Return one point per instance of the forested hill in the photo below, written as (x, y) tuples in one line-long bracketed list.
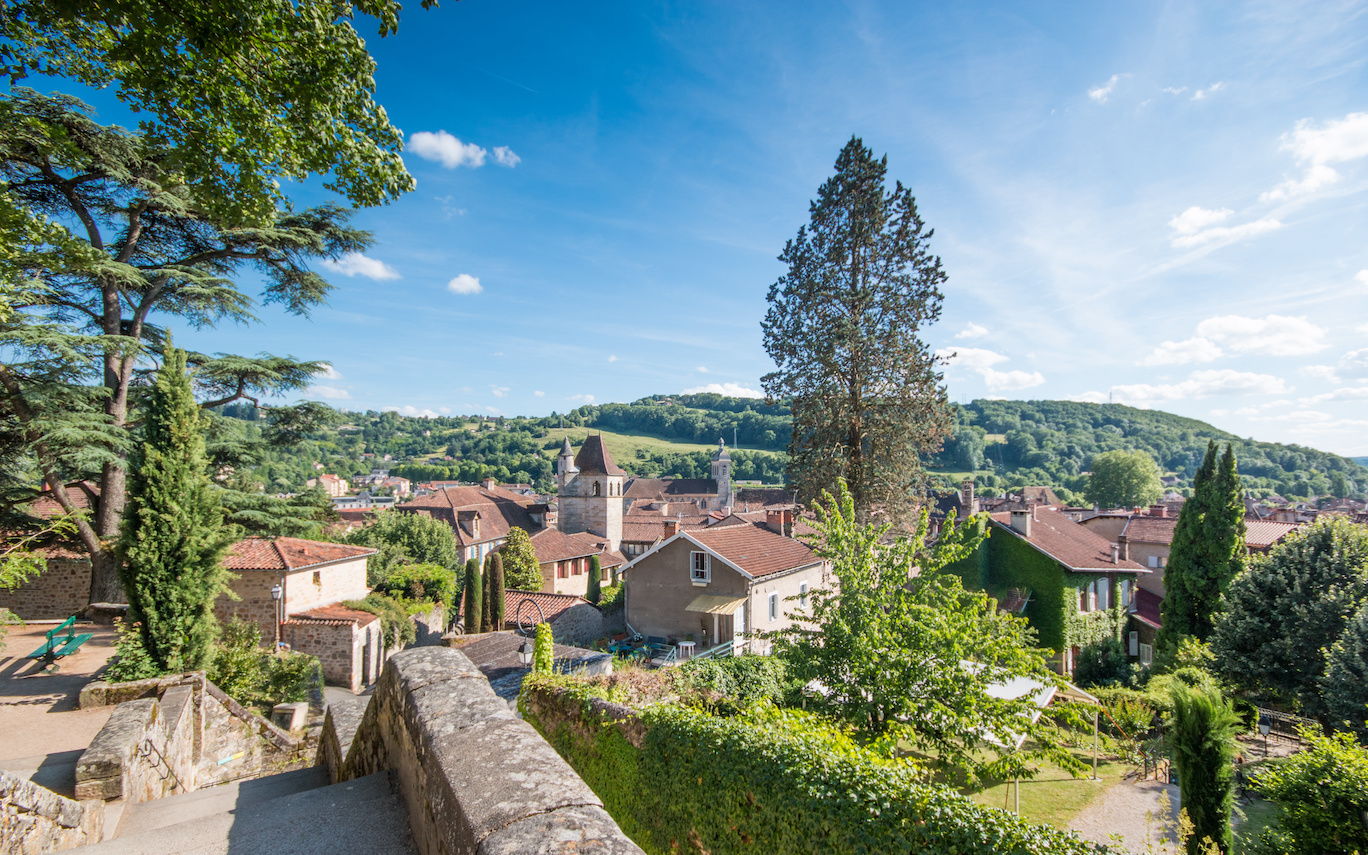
[(1003, 443)]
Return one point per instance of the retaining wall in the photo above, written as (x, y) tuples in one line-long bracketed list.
[(34, 819)]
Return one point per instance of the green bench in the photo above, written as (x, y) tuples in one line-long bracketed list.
[(61, 641)]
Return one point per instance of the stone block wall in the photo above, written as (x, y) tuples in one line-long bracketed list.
[(340, 647), (254, 603), (35, 820), (579, 626), (141, 754), (475, 778), (60, 591), (238, 743)]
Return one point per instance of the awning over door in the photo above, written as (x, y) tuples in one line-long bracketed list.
[(715, 604)]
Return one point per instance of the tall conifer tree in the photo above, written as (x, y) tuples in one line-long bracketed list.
[(174, 538), (1207, 550), (496, 592), (594, 592), (843, 330), (474, 599)]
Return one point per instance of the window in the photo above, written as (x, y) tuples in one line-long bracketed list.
[(318, 578), (1154, 561), (1103, 593), (1146, 654), (1127, 594), (802, 595), (1134, 643), (700, 573), (774, 607), (561, 570), (596, 488)]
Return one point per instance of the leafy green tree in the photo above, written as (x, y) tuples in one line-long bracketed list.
[(174, 538), (494, 590), (474, 598), (221, 81), (910, 657), (1320, 796), (128, 243), (404, 538), (1208, 550), (1202, 738), (594, 592), (843, 328), (521, 570), (1344, 688), (1123, 479), (1283, 615), (543, 650)]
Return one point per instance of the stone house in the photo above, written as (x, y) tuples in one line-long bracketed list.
[(1074, 586), (564, 560), (349, 643), (480, 517), (718, 584)]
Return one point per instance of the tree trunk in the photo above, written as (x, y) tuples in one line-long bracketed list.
[(105, 585)]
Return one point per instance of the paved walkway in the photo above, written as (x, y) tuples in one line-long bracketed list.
[(42, 730), (1122, 811)]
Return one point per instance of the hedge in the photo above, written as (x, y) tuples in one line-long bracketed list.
[(770, 781)]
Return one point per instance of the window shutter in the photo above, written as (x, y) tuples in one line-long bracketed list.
[(1134, 643)]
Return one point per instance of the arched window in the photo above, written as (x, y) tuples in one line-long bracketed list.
[(596, 488)]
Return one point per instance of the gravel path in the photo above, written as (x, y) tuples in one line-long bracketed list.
[(1122, 811)]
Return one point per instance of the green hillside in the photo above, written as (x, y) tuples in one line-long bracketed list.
[(1002, 444)]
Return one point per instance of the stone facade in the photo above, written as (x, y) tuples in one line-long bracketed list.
[(350, 653), (590, 500), (474, 777), (658, 589), (35, 820), (302, 590), (253, 603), (57, 593)]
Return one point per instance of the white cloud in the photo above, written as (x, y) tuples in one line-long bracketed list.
[(494, 411), (1347, 393), (1355, 363), (1089, 397), (539, 393), (1203, 93), (499, 391), (612, 358), (1274, 335), (446, 411), (1101, 93), (410, 410), (1195, 349), (976, 358), (356, 264), (1337, 141), (446, 150), (1172, 90), (584, 399), (329, 372), (972, 331), (1225, 234), (504, 156), (981, 360), (1321, 372), (1196, 218), (731, 390), (702, 369), (1006, 381), (1202, 384), (465, 284), (1362, 277), (332, 393)]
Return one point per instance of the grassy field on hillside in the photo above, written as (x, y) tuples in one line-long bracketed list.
[(623, 446)]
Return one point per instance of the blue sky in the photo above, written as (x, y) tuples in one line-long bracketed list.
[(1164, 203)]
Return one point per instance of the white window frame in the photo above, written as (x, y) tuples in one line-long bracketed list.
[(700, 575), (1146, 654), (803, 595), (1154, 561), (773, 607)]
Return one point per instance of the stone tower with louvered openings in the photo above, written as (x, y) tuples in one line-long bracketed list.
[(591, 487)]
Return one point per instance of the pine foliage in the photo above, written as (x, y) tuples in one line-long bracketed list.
[(174, 538), (843, 328), (497, 602), (595, 591), (486, 601), (474, 598), (1202, 738), (1207, 551)]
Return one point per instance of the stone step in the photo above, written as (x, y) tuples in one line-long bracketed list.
[(173, 810), (359, 817)]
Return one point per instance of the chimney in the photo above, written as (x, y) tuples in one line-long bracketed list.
[(1033, 511), (780, 522), (671, 528), (1116, 554), (1123, 545), (488, 483), (967, 500), (1021, 523), (1160, 511)]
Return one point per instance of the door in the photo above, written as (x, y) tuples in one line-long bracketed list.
[(739, 628)]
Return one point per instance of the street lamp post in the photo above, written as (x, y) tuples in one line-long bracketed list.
[(276, 593), (1265, 725), (525, 653)]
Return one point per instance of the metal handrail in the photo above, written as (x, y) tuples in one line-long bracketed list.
[(723, 649), (151, 750)]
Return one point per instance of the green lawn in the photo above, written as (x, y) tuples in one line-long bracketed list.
[(1054, 797), (1258, 815)]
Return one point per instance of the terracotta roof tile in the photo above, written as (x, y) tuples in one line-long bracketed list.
[(1147, 529), (288, 553), (335, 615), (756, 549), (1067, 542), (552, 605), (553, 545), (1261, 534), (642, 530), (498, 509)]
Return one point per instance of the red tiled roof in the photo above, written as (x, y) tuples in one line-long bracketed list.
[(498, 509), (552, 605), (81, 493), (594, 459), (553, 545), (642, 530), (364, 516), (1261, 534), (334, 615), (1147, 529), (288, 553), (1067, 542), (756, 549)]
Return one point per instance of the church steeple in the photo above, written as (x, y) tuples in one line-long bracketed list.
[(721, 473), (565, 465)]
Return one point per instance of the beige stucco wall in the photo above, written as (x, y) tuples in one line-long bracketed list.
[(658, 589), (1141, 553), (784, 585), (345, 580)]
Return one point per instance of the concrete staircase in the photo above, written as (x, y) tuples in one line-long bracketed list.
[(293, 812)]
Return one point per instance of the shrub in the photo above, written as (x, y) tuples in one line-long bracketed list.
[(1130, 714), (395, 625), (1201, 736), (131, 660), (1103, 663), (741, 679), (1323, 792), (612, 599), (257, 677), (543, 650), (431, 583)]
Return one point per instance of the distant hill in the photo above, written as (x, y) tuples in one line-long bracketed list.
[(1362, 461)]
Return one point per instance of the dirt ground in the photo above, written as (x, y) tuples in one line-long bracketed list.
[(42, 731)]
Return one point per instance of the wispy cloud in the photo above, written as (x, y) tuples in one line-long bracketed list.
[(731, 390), (446, 149), (1336, 141), (973, 330), (330, 373), (702, 369), (1320, 372), (356, 264), (1274, 335), (982, 361), (331, 393), (1174, 90), (1207, 92), (1201, 384), (465, 284), (499, 391), (410, 410), (1196, 226), (1195, 349), (1362, 278), (612, 358), (504, 156), (539, 393), (583, 399), (1101, 93)]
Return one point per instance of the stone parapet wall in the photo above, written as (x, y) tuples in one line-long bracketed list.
[(136, 755), (476, 779), (57, 593), (35, 820)]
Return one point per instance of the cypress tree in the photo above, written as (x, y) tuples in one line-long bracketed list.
[(486, 609), (474, 602), (173, 536), (1202, 734), (594, 594), (1207, 551), (497, 602)]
